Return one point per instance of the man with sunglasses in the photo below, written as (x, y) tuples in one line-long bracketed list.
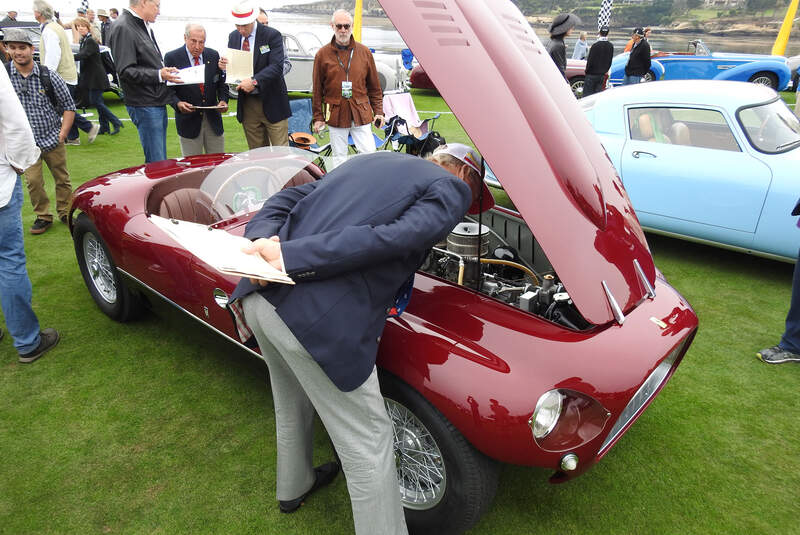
[(346, 80)]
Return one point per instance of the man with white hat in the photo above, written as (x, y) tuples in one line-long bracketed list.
[(263, 106), (350, 246), (105, 24)]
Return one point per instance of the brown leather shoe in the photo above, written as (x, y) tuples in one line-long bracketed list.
[(40, 226), (48, 339)]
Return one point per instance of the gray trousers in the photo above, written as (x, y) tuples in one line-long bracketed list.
[(206, 142), (356, 421)]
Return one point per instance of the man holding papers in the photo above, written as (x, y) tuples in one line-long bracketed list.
[(350, 241), (263, 102), (198, 107)]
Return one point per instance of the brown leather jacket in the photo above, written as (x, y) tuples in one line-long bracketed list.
[(367, 99)]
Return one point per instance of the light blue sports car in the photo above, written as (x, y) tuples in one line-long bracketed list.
[(699, 63), (709, 161)]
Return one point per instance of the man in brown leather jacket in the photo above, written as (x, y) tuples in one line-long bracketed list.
[(346, 79)]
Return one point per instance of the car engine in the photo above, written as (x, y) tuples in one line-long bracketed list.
[(482, 261)]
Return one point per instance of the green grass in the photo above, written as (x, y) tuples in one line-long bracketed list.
[(158, 426)]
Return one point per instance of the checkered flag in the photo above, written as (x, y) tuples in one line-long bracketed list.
[(604, 16), (85, 4)]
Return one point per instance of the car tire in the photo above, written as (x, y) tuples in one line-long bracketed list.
[(386, 77), (649, 76), (100, 273), (431, 444), (232, 92), (765, 78), (576, 84)]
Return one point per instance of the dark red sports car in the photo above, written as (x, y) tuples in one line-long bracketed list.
[(575, 73), (535, 337)]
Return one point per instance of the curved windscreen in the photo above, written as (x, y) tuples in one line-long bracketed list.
[(241, 184), (771, 127)]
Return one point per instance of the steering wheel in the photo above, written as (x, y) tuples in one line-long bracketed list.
[(239, 173)]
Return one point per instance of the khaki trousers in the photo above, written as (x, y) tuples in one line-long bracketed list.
[(56, 160), (258, 131), (207, 141)]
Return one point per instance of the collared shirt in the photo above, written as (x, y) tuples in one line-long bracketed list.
[(53, 47), (152, 35), (191, 57), (17, 146), (45, 121)]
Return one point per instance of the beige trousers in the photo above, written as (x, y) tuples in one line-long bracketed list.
[(56, 160), (258, 131), (206, 142)]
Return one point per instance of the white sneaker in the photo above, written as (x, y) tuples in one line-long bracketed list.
[(93, 132), (76, 141)]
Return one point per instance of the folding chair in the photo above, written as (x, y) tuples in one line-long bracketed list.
[(300, 126), (404, 127)]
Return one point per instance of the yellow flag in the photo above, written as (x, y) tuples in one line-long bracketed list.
[(779, 48), (357, 21)]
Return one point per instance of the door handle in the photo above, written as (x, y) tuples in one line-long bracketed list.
[(636, 154)]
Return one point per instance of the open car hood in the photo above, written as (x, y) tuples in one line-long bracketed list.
[(498, 79)]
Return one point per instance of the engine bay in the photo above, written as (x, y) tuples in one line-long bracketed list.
[(477, 256)]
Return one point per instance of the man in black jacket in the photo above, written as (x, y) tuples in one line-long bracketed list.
[(263, 106), (598, 61), (199, 130), (143, 76), (639, 60)]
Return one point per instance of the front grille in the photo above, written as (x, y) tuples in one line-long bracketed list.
[(642, 396)]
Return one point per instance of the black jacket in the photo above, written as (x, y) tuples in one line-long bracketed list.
[(598, 61), (93, 74), (639, 60), (267, 71), (105, 28), (214, 90), (558, 52), (138, 60)]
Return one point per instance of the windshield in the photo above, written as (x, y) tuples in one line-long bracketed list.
[(771, 127), (242, 183)]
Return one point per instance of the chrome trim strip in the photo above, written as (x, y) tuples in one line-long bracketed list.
[(651, 292), (614, 306), (176, 305)]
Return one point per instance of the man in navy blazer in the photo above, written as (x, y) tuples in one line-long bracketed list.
[(263, 106), (199, 131), (350, 241)]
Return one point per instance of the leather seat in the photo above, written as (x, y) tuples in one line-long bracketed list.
[(188, 204), (679, 134)]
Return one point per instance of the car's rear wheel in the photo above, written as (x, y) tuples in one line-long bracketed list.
[(100, 273), (765, 78), (576, 84), (649, 76), (446, 485)]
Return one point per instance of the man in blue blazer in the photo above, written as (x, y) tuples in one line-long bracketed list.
[(199, 131), (263, 106), (349, 241)]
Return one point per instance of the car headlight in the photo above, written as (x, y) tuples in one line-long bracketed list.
[(545, 416)]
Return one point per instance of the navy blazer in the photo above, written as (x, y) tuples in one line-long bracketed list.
[(350, 241), (267, 71), (216, 90)]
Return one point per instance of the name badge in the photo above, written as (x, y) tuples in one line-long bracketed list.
[(264, 49), (347, 89)]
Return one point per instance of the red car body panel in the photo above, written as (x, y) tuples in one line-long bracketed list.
[(481, 362)]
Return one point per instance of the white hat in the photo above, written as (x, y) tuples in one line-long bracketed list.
[(243, 13), (467, 154)]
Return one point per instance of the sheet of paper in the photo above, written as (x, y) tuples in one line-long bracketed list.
[(240, 65), (206, 107), (220, 250), (191, 75)]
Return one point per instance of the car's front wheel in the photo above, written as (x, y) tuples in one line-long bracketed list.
[(446, 485), (576, 84), (765, 78), (100, 273)]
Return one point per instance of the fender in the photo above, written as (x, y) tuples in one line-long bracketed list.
[(743, 72)]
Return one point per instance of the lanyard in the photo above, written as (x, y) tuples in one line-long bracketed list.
[(346, 70)]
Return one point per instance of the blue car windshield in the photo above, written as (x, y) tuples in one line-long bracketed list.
[(771, 127)]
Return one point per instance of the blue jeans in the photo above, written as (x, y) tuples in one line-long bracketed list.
[(105, 115), (15, 286), (635, 79), (151, 121), (80, 121), (791, 337)]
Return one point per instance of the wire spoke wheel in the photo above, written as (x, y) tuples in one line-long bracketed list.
[(99, 267), (421, 470)]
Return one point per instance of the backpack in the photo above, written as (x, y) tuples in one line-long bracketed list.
[(47, 84)]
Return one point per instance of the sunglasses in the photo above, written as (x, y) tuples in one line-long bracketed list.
[(342, 26)]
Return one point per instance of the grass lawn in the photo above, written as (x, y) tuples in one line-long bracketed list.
[(158, 426)]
